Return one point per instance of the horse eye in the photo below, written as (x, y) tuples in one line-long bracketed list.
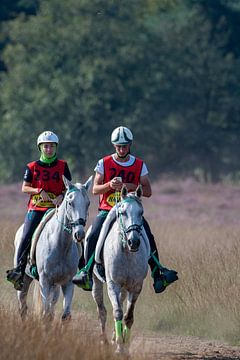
[(70, 197)]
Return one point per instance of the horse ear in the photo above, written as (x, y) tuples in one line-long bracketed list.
[(124, 191), (67, 183), (88, 183), (139, 191)]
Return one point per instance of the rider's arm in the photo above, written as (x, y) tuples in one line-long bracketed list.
[(146, 186), (98, 186), (28, 189)]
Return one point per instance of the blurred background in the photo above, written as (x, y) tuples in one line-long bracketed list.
[(169, 70)]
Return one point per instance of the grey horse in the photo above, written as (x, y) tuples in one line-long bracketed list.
[(125, 255), (57, 251)]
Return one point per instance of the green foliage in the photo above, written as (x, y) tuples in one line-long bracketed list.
[(80, 68)]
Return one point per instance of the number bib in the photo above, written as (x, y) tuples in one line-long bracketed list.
[(48, 179), (129, 174)]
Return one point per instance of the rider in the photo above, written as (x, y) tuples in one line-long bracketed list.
[(43, 182), (111, 172)]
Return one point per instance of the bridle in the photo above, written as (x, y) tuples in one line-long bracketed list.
[(69, 225), (124, 231)]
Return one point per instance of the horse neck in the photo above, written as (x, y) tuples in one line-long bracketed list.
[(62, 222), (61, 212)]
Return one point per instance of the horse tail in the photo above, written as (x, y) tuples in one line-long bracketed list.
[(37, 300)]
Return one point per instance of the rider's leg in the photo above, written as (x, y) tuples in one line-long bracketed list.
[(84, 276), (81, 262), (158, 272), (15, 275)]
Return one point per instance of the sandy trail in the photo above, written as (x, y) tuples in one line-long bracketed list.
[(181, 348), (154, 346)]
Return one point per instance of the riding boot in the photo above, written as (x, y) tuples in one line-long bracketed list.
[(15, 276), (162, 276), (81, 263), (83, 278)]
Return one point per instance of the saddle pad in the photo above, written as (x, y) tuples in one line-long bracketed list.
[(37, 233)]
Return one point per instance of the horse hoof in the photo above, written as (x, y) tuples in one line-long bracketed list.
[(66, 318), (104, 342)]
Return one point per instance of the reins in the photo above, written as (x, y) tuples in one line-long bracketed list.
[(123, 230), (68, 227)]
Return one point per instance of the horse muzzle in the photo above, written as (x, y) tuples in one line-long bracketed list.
[(79, 234), (133, 244)]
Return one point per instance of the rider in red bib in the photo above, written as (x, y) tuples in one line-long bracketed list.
[(111, 173), (43, 182), (128, 174)]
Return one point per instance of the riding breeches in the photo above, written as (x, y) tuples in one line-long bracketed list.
[(152, 243), (93, 236), (32, 219)]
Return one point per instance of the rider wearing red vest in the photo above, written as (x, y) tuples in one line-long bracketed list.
[(49, 179), (128, 174), (43, 182), (111, 173)]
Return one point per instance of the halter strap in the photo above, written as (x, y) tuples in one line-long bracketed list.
[(133, 227), (71, 224)]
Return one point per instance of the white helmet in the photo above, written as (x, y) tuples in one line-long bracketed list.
[(47, 137), (121, 136)]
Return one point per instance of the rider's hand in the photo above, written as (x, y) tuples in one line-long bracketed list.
[(44, 195), (116, 183), (58, 200)]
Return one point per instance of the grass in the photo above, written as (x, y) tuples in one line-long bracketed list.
[(204, 302)]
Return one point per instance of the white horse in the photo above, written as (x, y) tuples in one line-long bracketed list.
[(57, 251), (125, 255)]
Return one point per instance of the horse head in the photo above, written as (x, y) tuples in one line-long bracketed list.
[(76, 202), (130, 218)]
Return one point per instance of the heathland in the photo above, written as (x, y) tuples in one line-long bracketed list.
[(197, 229)]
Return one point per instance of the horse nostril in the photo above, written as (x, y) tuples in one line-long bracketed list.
[(79, 235), (134, 243)]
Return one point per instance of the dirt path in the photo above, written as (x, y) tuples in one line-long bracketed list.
[(182, 348), (159, 347)]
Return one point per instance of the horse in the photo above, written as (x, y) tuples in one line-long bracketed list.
[(58, 251), (125, 255)]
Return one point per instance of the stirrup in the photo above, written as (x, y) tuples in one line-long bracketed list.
[(34, 272), (170, 275), (165, 278), (83, 280)]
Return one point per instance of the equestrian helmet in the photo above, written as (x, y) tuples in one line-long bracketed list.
[(47, 137), (121, 136)]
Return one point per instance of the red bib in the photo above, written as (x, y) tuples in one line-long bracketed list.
[(50, 180), (129, 174)]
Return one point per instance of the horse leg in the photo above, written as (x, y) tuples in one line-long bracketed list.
[(114, 293), (123, 296), (22, 297), (67, 290), (129, 314), (97, 294), (47, 298)]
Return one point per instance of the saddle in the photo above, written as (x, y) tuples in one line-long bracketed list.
[(111, 217), (48, 215)]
